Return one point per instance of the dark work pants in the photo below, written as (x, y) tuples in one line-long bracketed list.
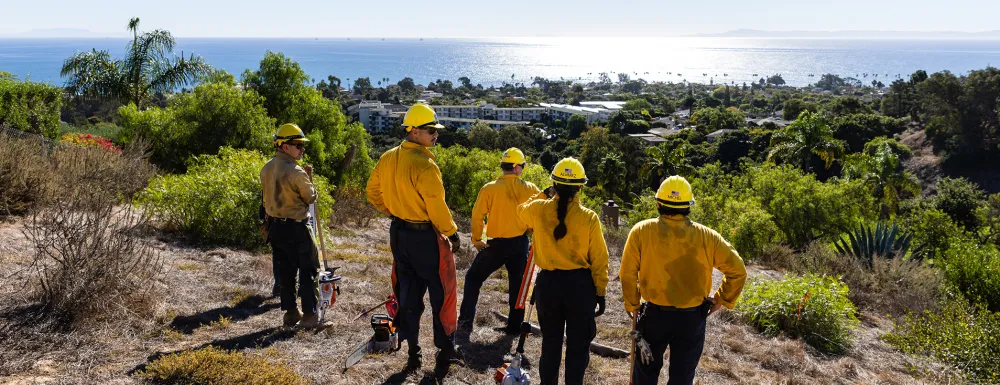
[(509, 252), (416, 255), (683, 332), (566, 301), (294, 253)]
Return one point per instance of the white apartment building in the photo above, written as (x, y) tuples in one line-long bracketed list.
[(464, 112), (378, 117), (565, 111), (466, 124)]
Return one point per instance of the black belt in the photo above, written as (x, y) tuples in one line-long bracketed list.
[(419, 226), (290, 220), (670, 308)]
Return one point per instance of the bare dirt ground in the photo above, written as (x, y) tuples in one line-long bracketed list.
[(220, 297)]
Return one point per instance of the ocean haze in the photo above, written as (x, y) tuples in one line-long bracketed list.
[(494, 61)]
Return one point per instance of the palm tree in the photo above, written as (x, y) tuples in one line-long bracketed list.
[(662, 163), (879, 166), (146, 69), (809, 135)]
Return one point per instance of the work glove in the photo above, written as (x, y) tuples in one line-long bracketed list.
[(600, 306), (456, 242), (644, 351)]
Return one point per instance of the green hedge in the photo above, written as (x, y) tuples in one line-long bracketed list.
[(30, 107), (465, 171), (217, 201), (815, 309)]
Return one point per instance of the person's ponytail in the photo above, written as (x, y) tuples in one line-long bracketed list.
[(565, 193)]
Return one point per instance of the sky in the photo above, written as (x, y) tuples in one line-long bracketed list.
[(505, 18)]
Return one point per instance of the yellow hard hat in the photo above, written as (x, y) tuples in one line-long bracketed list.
[(513, 155), (569, 171), (675, 192), (289, 131), (420, 116)]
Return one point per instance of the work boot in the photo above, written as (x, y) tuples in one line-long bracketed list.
[(291, 317), (310, 320), (412, 363), (446, 357)]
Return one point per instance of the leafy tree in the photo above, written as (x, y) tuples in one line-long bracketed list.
[(30, 107), (511, 136), (709, 120), (846, 106), (330, 90), (278, 79), (623, 78), (733, 146), (830, 82), (809, 135), (794, 107), (857, 129), (635, 126), (576, 125), (335, 149), (776, 80), (634, 86), (637, 105), (363, 86), (466, 82), (901, 100), (482, 136), (148, 68), (962, 113), (407, 86)]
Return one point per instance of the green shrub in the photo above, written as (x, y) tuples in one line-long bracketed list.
[(810, 307), (958, 335), (212, 365), (804, 208), (30, 107), (975, 269), (960, 198), (465, 170), (217, 200), (200, 122), (932, 228), (744, 222)]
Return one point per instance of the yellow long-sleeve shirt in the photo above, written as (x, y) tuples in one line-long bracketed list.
[(583, 246), (669, 261), (497, 203), (288, 192), (406, 183)]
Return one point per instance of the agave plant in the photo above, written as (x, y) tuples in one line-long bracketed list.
[(884, 241)]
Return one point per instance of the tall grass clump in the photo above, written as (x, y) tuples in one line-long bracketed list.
[(212, 365), (815, 309), (90, 263), (218, 200)]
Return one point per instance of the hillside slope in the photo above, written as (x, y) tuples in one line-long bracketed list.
[(220, 297)]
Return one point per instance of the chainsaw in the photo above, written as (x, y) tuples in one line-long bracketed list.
[(384, 337), (514, 373), (329, 281)]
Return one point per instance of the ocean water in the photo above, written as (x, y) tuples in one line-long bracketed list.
[(495, 61)]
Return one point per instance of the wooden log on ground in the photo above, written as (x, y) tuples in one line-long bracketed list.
[(596, 348)]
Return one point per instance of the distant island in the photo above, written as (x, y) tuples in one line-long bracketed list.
[(64, 33), (856, 34)]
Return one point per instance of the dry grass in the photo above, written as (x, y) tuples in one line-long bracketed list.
[(197, 297)]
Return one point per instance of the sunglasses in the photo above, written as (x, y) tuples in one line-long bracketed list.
[(429, 127), (299, 146)]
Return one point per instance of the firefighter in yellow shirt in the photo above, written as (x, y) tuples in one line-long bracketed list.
[(406, 185), (573, 258), (288, 192), (668, 261), (508, 244)]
